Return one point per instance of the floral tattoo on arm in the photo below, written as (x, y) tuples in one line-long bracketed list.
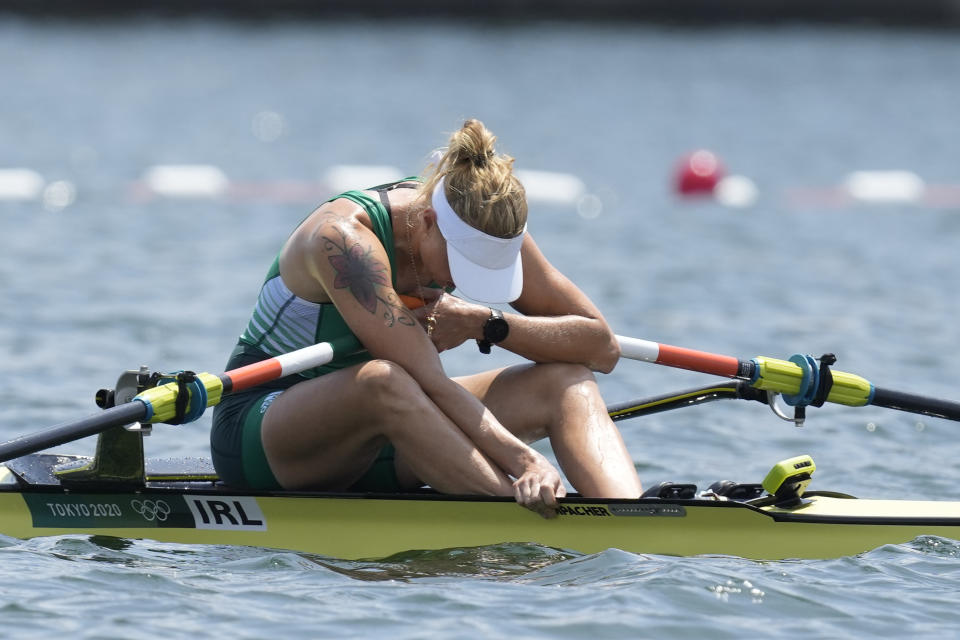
[(367, 279)]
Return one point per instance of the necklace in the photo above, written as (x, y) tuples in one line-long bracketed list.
[(432, 317)]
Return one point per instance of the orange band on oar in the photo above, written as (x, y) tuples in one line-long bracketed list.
[(285, 364), (254, 374), (683, 358), (410, 301), (698, 361)]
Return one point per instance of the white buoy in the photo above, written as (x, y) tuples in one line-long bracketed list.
[(552, 187), (590, 206), (186, 181), (885, 186), (345, 177), (738, 192), (268, 126), (59, 195), (20, 184)]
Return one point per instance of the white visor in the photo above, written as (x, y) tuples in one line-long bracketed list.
[(484, 268)]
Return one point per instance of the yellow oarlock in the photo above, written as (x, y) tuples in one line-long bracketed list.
[(850, 389), (162, 400), (783, 376), (780, 376)]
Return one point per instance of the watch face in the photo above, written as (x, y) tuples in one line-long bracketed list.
[(495, 329)]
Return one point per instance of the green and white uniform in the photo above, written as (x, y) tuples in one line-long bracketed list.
[(283, 322)]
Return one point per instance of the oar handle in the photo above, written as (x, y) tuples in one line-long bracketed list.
[(161, 401), (288, 364), (789, 377), (681, 358)]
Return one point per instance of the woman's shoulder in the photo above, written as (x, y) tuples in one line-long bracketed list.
[(343, 209)]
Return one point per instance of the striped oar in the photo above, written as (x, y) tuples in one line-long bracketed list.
[(288, 364), (798, 379), (159, 404)]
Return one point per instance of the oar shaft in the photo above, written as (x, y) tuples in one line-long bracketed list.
[(682, 358), (913, 403), (118, 416), (793, 378), (158, 404)]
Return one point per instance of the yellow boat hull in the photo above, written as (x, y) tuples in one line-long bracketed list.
[(354, 527)]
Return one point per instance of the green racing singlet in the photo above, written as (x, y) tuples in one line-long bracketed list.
[(283, 322)]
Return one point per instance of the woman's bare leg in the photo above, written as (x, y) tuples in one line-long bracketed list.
[(325, 433), (562, 402)]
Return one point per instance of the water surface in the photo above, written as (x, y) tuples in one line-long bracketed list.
[(112, 281)]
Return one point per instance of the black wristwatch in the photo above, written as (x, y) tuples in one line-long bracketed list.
[(495, 330)]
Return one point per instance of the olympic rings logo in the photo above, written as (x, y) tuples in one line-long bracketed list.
[(151, 510)]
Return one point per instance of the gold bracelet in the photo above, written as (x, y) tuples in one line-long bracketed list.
[(432, 319)]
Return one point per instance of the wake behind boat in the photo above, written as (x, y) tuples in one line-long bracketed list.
[(119, 493)]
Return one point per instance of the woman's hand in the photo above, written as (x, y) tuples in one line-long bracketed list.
[(539, 487), (449, 320)]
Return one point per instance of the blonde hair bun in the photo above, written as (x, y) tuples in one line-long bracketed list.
[(479, 184)]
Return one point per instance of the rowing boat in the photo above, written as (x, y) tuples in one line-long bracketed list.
[(117, 492), (181, 501)]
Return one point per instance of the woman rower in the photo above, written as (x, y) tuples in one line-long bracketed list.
[(390, 419)]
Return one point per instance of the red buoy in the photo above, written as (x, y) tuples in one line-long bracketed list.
[(698, 173)]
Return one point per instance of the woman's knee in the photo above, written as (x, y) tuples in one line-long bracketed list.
[(558, 378), (387, 387)]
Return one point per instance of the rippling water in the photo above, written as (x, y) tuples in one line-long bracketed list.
[(101, 587), (95, 279)]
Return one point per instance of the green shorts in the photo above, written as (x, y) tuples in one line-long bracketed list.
[(237, 448)]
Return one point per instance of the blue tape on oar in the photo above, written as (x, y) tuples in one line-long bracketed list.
[(809, 382), (197, 401), (191, 397)]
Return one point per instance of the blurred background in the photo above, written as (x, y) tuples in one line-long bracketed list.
[(870, 12), (748, 178)]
